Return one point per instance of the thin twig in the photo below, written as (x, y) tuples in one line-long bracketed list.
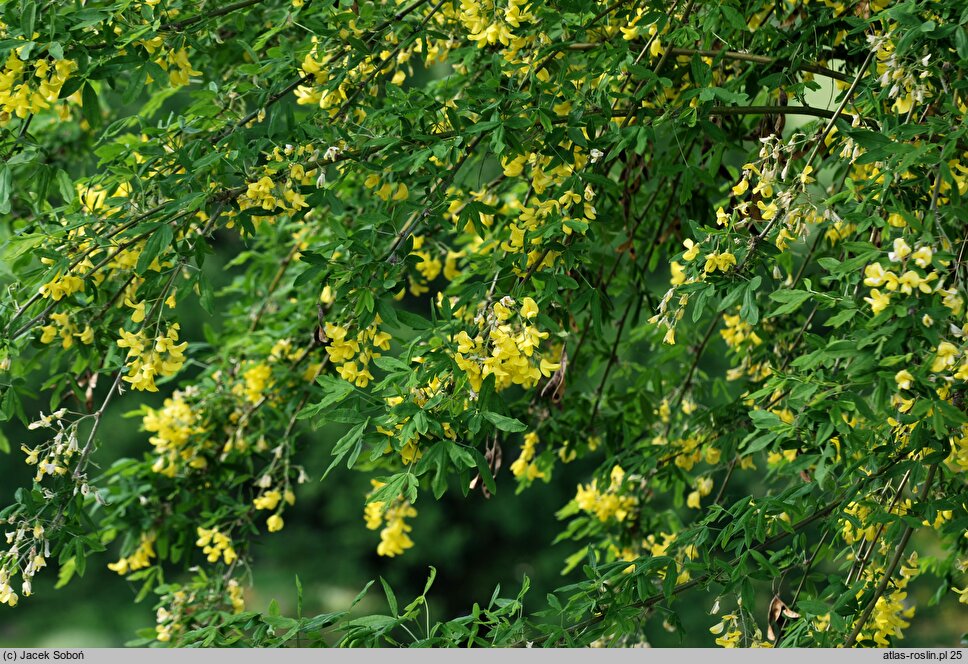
[(892, 566)]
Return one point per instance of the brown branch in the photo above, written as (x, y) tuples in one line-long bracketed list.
[(735, 55), (840, 109), (181, 24), (892, 566), (771, 110), (415, 220)]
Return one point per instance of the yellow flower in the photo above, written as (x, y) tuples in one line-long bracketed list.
[(878, 301), (267, 501), (725, 261), (922, 257), (678, 274), (501, 311), (719, 261), (692, 250), (275, 523), (547, 368), (901, 251), (944, 356), (903, 378), (138, 314), (529, 308), (767, 211)]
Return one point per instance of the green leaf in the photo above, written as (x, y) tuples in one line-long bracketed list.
[(90, 107), (764, 419), (391, 364), (391, 598), (749, 312), (392, 489), (791, 299), (841, 317), (505, 423), (66, 573), (345, 444), (6, 188), (157, 243)]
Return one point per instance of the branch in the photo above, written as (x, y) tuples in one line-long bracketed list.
[(174, 26), (735, 55), (892, 567), (772, 110), (841, 107), (415, 221)]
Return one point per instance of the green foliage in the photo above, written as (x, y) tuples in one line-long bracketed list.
[(698, 249)]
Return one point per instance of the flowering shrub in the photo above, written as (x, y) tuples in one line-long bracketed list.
[(710, 253)]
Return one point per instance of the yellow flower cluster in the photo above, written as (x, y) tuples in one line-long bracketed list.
[(173, 61), (215, 545), (524, 466), (7, 594), (266, 194), (62, 325), (387, 191), (31, 87), (774, 458), (906, 82), (958, 459), (576, 212), (489, 23), (428, 269), (140, 559), (62, 285), (170, 621), (890, 616), (28, 552), (727, 631), (606, 504), (270, 500), (256, 379), (410, 450), (54, 457), (178, 435), (867, 531), (636, 27), (319, 66), (394, 539), (738, 333), (664, 317), (147, 359), (704, 486), (277, 191), (719, 261), (459, 200), (506, 347), (328, 95), (908, 282), (352, 355), (236, 598)]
